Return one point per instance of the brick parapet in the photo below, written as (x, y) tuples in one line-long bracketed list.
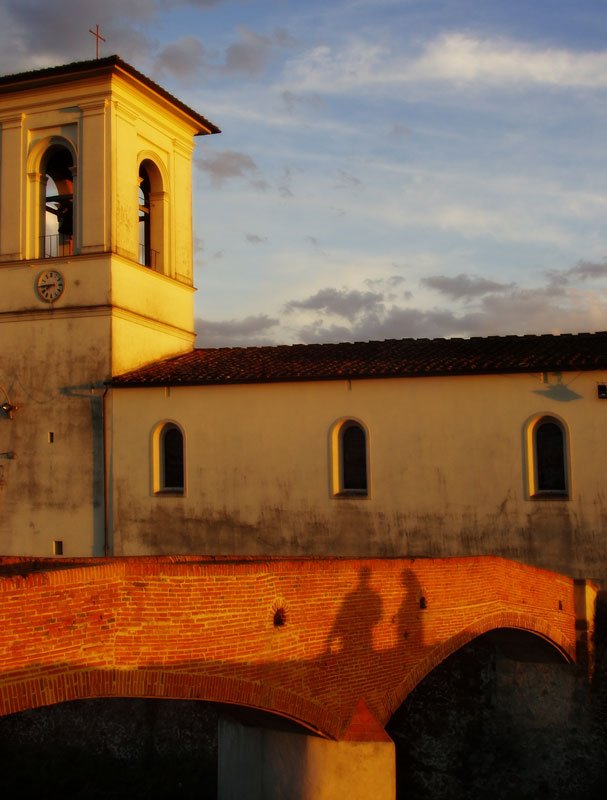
[(305, 638)]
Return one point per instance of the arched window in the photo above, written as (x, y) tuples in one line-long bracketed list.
[(169, 459), (549, 458), (349, 459), (58, 203), (151, 201)]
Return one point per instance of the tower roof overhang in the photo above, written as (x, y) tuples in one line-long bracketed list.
[(108, 66)]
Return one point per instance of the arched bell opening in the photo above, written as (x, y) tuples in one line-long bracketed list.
[(57, 224), (151, 216)]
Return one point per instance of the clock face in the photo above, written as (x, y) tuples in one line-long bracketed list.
[(50, 285)]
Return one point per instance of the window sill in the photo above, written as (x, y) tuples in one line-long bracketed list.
[(169, 493), (352, 493), (548, 495)]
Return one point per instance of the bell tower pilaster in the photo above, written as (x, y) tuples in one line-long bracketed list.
[(12, 209), (94, 177)]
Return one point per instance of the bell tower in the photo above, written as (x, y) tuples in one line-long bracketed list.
[(95, 277)]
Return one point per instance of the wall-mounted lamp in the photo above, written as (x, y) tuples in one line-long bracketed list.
[(8, 409)]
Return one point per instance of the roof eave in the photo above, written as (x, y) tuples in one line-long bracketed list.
[(174, 383), (109, 65)]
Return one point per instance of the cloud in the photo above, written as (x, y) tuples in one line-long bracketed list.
[(183, 58), (400, 130), (292, 101), (534, 311), (251, 54), (582, 271), (464, 286), (395, 323), (284, 183), (479, 307), (589, 270), (383, 310), (253, 238), (226, 164), (462, 58), (39, 30), (38, 33), (195, 3), (453, 58), (391, 288), (346, 181), (251, 330), (343, 302), (540, 310), (391, 282)]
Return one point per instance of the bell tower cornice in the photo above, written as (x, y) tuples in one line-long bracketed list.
[(100, 70), (88, 107), (8, 121)]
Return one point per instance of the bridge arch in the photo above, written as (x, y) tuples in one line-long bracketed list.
[(528, 623), (48, 688), (204, 628)]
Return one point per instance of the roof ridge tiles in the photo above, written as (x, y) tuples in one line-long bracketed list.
[(390, 358)]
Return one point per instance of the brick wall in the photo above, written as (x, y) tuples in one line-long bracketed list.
[(305, 638)]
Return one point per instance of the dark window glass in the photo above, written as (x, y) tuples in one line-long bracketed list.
[(354, 459), (172, 458), (550, 457)]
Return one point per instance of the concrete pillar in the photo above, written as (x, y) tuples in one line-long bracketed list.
[(585, 594), (266, 764)]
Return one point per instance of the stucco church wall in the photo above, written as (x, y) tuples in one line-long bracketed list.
[(447, 470), (51, 476)]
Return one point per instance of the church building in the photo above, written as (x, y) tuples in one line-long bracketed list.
[(119, 437)]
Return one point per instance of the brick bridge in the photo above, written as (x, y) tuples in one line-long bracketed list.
[(306, 639)]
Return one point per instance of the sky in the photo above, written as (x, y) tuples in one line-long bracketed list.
[(386, 168)]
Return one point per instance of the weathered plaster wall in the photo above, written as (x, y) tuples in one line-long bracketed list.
[(52, 488), (447, 470)]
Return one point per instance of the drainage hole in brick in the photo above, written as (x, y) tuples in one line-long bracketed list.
[(280, 618)]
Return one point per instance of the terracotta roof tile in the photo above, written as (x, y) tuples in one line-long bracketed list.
[(392, 358)]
